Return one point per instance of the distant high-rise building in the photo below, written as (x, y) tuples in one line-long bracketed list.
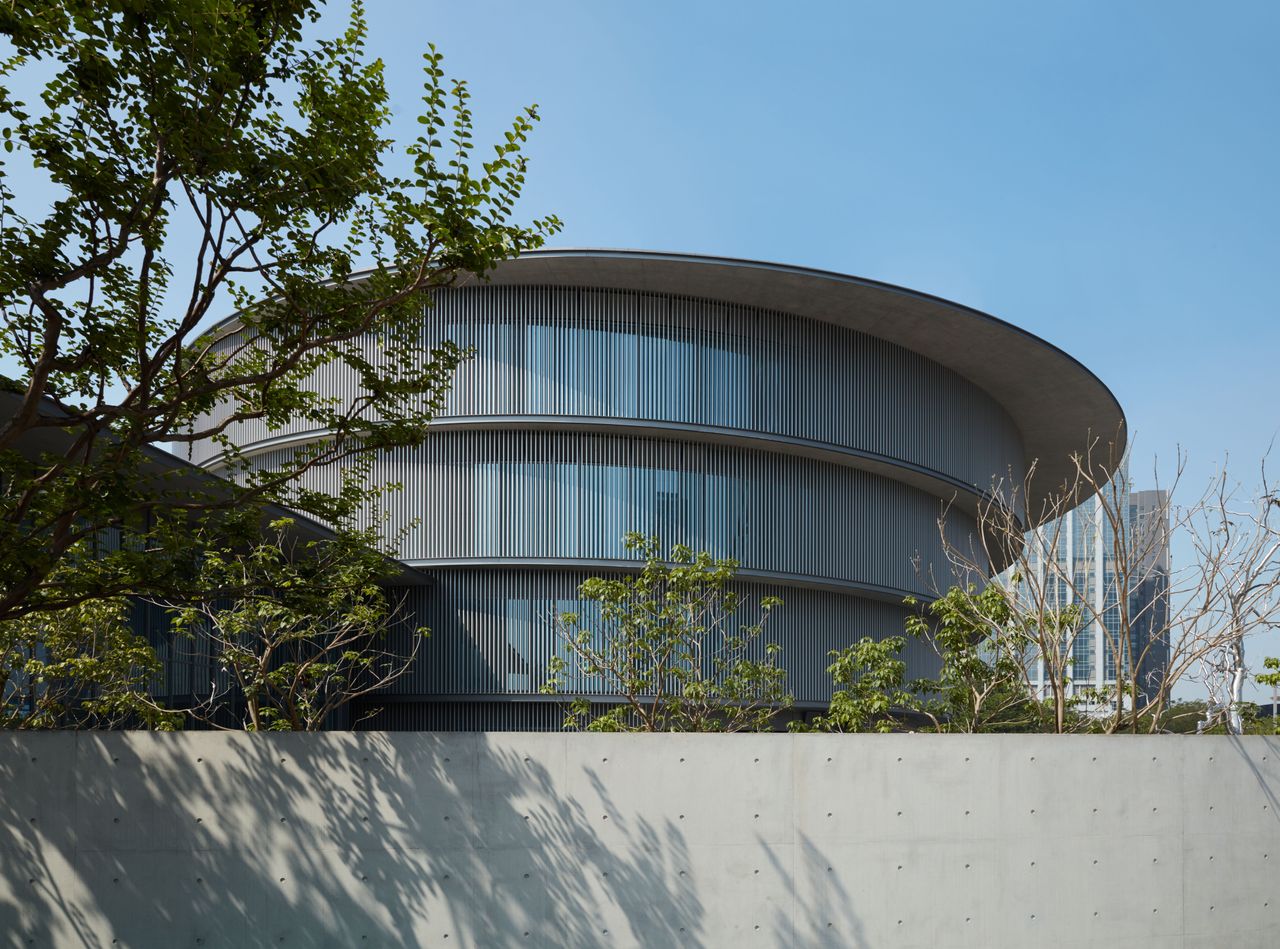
[(1098, 571), (1149, 607)]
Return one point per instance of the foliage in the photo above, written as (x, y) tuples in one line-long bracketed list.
[(871, 694), (79, 667), (301, 630), (983, 643), (203, 156), (667, 639), (1189, 717), (1272, 676), (1181, 718), (982, 684)]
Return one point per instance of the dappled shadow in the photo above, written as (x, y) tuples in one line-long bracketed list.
[(1266, 784), (823, 913), (348, 839)]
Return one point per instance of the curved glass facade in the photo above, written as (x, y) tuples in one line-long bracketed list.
[(625, 355), (817, 456), (498, 632), (548, 497), (578, 353)]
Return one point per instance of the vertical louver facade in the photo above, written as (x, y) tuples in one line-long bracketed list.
[(779, 417)]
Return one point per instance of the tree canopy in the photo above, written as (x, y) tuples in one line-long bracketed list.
[(669, 642), (207, 157)]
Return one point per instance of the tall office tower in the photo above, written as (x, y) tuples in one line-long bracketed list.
[(1149, 520), (1097, 570)]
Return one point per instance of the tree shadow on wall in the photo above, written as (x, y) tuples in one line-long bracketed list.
[(1271, 744), (823, 914), (345, 839)]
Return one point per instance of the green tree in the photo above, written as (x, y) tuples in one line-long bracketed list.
[(668, 640), (301, 630), (78, 667), (870, 693), (982, 685), (1272, 678), (204, 157)]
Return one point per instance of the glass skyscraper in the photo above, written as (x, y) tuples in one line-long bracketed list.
[(1119, 583)]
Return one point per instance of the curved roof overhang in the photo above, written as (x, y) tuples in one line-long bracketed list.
[(1060, 408)]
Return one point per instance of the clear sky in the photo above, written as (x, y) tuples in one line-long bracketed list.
[(1104, 174)]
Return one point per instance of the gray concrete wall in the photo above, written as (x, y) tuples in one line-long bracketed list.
[(490, 840)]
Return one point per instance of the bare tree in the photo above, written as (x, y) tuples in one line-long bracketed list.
[(1237, 543), (1148, 625), (1029, 594)]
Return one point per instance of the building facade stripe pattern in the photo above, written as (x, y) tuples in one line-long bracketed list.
[(603, 395)]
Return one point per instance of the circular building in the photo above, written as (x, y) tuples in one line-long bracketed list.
[(810, 425)]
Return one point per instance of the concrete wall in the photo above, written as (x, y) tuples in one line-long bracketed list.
[(490, 840)]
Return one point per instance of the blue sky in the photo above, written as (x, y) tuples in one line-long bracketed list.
[(1101, 173)]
